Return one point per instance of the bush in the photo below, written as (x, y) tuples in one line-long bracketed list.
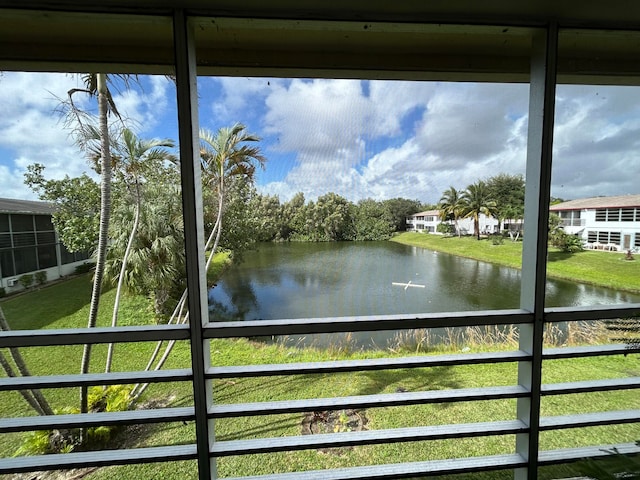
[(41, 277), (566, 242), (84, 268), (497, 239), (115, 398), (26, 280), (3, 292), (445, 228)]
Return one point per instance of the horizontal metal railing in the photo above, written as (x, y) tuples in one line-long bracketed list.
[(91, 379), (85, 420), (367, 437), (367, 401), (97, 335), (338, 366), (302, 442), (103, 458), (404, 470), (364, 323)]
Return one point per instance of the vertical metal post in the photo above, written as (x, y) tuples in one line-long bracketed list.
[(188, 131), (534, 251)]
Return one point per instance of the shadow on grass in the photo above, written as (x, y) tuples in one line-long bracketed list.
[(409, 380), (559, 256), (269, 426)]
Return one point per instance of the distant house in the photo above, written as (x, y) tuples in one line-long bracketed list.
[(29, 243), (609, 223), (428, 221)]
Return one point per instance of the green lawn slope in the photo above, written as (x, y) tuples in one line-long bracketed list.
[(606, 269)]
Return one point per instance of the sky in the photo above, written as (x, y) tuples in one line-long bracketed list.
[(360, 139)]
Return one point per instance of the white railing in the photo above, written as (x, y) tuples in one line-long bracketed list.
[(527, 422)]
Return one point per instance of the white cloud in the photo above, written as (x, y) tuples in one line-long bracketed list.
[(318, 118), (32, 130), (596, 140), (388, 139), (356, 138), (238, 98)]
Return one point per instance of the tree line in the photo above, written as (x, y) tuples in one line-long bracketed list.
[(330, 217), (334, 218)]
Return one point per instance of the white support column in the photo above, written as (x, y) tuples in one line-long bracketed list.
[(186, 87), (534, 250)]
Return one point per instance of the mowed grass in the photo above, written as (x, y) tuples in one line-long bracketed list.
[(65, 305), (606, 269)]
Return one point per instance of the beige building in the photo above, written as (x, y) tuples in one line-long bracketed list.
[(609, 223)]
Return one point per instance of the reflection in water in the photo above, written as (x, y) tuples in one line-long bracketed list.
[(303, 280)]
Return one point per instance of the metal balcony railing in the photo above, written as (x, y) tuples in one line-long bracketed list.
[(174, 26)]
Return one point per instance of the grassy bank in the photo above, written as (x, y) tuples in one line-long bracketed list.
[(65, 305), (606, 269)]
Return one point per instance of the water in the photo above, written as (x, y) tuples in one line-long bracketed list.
[(302, 280)]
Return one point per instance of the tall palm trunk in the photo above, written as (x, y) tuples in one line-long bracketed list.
[(123, 271), (105, 210), (220, 206)]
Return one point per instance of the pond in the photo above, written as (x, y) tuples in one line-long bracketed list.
[(303, 280)]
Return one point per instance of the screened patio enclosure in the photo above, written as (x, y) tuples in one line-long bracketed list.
[(529, 42)]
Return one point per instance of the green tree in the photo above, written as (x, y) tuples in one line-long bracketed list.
[(96, 86), (294, 218), (330, 218), (155, 265), (267, 211), (476, 200), (228, 168), (507, 191), (224, 156), (560, 239), (137, 159), (452, 207), (238, 235), (76, 215), (400, 209), (373, 220)]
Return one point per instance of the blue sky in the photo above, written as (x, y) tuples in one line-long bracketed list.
[(360, 139)]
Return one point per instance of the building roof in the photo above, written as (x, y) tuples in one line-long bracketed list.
[(9, 205), (598, 202), (427, 212)]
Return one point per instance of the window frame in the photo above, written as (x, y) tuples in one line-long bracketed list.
[(531, 316)]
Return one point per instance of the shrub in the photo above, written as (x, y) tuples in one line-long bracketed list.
[(3, 292), (84, 268), (41, 277), (445, 228), (26, 280), (115, 398), (497, 239)]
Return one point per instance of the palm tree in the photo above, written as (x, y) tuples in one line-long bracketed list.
[(95, 85), (135, 158), (451, 205), (224, 159), (477, 200)]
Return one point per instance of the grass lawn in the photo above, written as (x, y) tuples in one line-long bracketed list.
[(606, 269), (66, 305)]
